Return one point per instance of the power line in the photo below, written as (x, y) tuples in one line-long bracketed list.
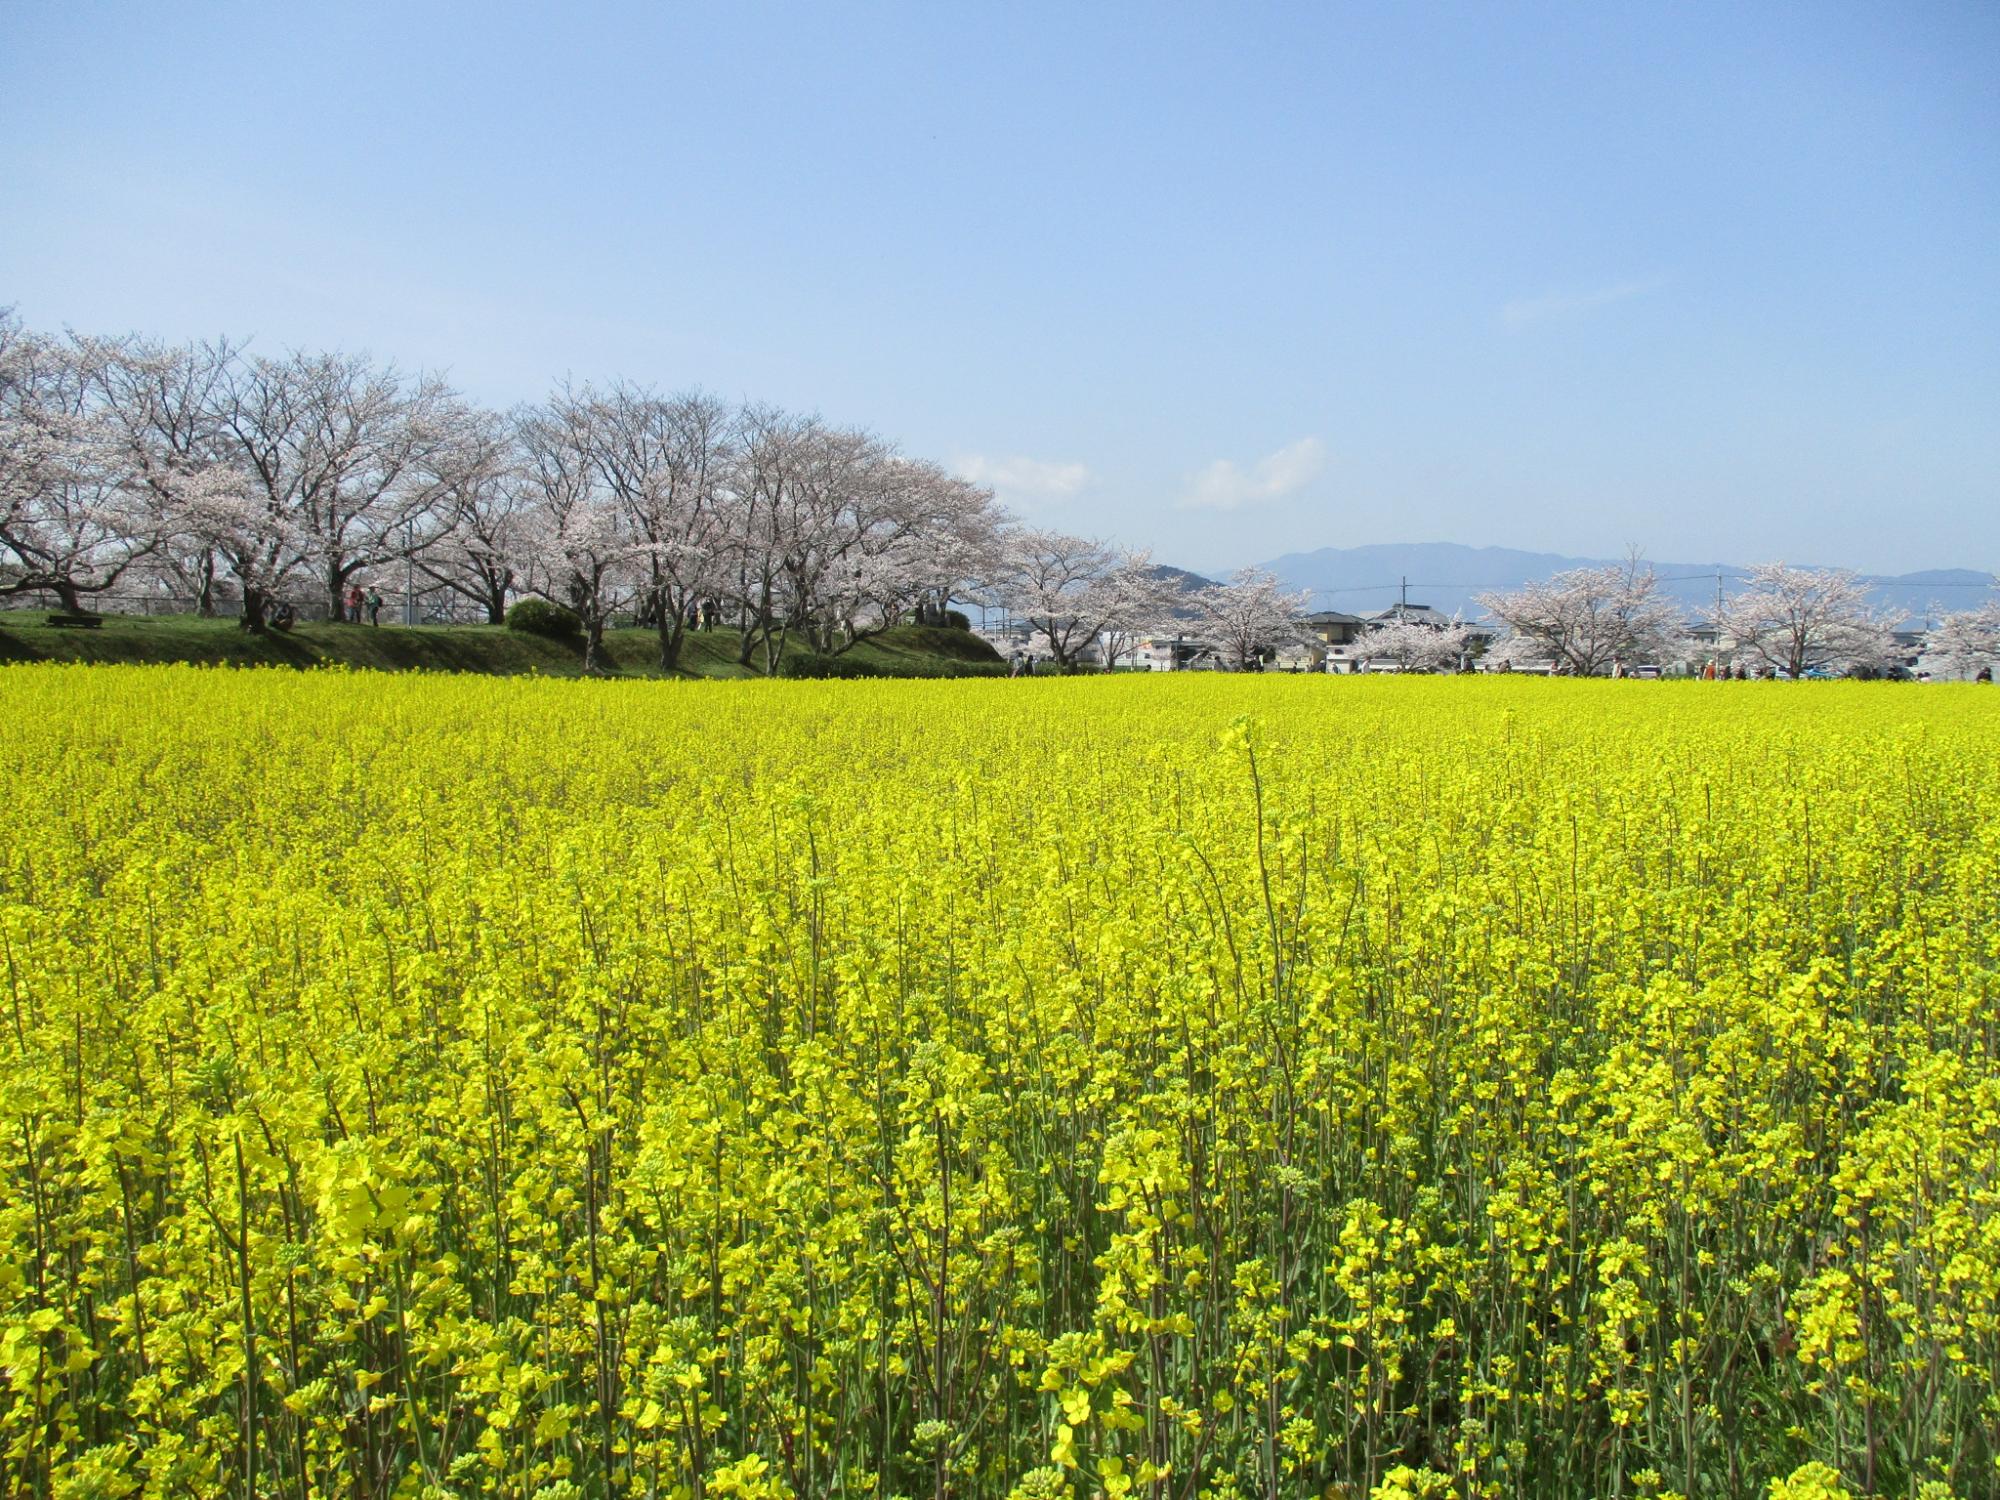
[(1876, 581)]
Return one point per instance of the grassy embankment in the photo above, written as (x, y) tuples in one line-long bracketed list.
[(26, 635)]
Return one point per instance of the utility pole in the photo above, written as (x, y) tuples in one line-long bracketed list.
[(1715, 650), (409, 572), (1404, 607)]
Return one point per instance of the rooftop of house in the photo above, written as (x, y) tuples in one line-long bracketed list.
[(1422, 614)]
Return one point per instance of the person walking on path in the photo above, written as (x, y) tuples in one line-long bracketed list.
[(353, 615), (374, 607)]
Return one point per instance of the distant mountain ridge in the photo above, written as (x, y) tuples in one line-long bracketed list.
[(1181, 578), (1449, 576)]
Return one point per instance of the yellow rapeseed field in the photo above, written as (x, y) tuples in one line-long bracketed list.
[(1144, 1087)]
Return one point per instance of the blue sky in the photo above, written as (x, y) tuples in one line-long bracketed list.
[(1229, 281)]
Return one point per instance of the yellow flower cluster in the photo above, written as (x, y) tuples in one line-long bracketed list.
[(1127, 1087)]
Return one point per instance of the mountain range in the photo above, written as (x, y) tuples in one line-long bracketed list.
[(1363, 580)]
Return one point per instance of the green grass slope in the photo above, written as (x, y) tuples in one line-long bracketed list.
[(26, 635)]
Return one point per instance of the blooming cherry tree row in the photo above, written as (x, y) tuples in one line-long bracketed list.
[(205, 472), (209, 471)]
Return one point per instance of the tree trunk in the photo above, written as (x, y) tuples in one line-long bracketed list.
[(673, 630), (336, 590), (593, 643), (66, 594), (753, 625), (255, 605)]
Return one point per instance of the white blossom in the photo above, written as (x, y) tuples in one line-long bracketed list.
[(1799, 620), (1251, 615), (1415, 646), (1587, 620), (1967, 641), (1070, 590)]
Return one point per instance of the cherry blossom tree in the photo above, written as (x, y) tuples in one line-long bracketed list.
[(232, 520), (1798, 620), (662, 461), (1143, 602), (163, 401), (1251, 614), (832, 533), (1417, 647), (1067, 588), (71, 520), (843, 515), (477, 541), (1967, 641), (951, 542), (917, 534), (756, 502), (1586, 619), (339, 456), (578, 546), (801, 530)]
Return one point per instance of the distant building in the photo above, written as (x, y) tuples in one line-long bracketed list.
[(1332, 628), (1177, 653), (1413, 614)]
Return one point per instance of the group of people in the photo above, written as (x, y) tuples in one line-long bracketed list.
[(358, 599), (702, 614), (1021, 665)]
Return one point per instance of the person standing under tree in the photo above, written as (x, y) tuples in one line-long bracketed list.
[(374, 607)]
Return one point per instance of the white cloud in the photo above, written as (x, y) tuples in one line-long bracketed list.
[(1223, 486), (1019, 480), (1524, 311)]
